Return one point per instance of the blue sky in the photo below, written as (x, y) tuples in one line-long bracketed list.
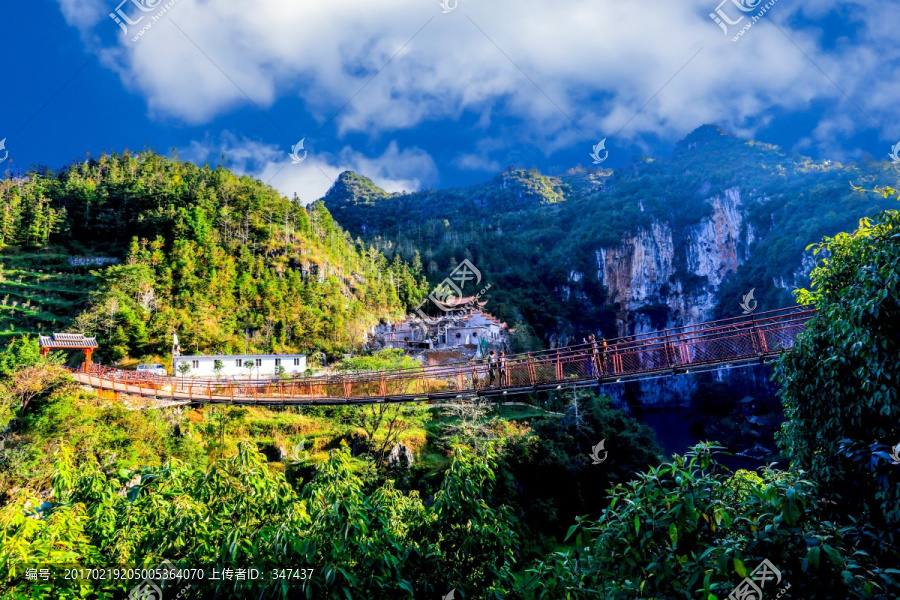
[(416, 97)]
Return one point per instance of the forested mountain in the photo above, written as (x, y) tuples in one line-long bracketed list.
[(662, 242), (135, 247)]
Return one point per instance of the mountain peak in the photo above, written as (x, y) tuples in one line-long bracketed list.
[(353, 187), (708, 135)]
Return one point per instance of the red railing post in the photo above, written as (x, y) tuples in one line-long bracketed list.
[(753, 336), (762, 341), (670, 362)]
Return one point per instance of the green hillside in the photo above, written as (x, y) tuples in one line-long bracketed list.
[(40, 290), (224, 261)]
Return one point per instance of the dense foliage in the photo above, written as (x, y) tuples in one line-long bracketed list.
[(690, 529), (240, 513), (223, 260), (840, 386), (549, 476), (26, 375)]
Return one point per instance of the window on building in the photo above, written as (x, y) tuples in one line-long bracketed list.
[(195, 364), (296, 362), (238, 363), (258, 362), (277, 362)]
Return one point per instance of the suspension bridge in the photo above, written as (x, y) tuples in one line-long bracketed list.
[(726, 343)]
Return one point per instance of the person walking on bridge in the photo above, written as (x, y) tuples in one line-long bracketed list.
[(504, 374), (594, 363), (604, 356), (492, 368)]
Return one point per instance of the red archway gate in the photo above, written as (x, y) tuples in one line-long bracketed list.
[(69, 341)]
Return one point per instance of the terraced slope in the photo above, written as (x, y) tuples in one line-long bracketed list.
[(41, 291)]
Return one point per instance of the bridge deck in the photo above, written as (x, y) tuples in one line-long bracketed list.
[(731, 342)]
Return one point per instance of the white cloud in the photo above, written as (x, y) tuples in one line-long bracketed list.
[(611, 67), (395, 170)]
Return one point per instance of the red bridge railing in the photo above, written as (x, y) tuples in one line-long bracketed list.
[(738, 339)]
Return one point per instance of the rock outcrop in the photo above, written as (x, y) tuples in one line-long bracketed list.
[(655, 282), (399, 456)]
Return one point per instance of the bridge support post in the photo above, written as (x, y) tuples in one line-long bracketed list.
[(757, 338), (670, 355)]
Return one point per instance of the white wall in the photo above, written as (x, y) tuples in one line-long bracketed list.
[(267, 364)]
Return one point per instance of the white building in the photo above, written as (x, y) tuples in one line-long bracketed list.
[(475, 327), (236, 365), (467, 326)]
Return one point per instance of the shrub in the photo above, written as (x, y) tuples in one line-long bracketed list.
[(689, 529)]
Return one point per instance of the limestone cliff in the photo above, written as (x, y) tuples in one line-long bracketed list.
[(654, 282)]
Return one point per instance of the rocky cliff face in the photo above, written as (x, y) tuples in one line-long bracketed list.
[(655, 282)]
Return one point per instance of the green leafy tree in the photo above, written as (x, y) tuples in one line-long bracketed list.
[(21, 353), (840, 388), (355, 537), (26, 375), (184, 368), (690, 529)]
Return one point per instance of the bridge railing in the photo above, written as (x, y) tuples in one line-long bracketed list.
[(676, 348)]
